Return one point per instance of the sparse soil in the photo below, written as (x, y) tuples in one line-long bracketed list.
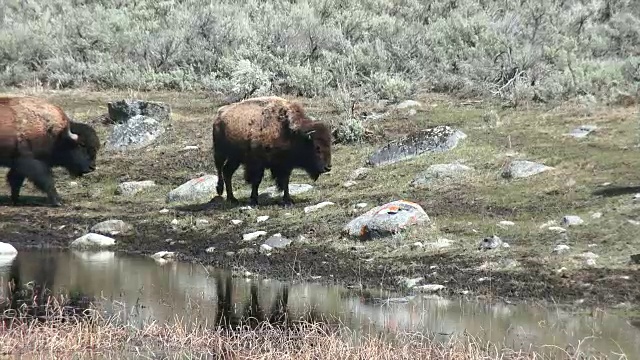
[(464, 211)]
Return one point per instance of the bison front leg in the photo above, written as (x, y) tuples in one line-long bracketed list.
[(40, 174)]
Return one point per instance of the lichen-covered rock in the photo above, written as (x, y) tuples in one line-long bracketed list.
[(112, 227), (136, 133), (523, 169), (386, 220), (440, 172), (130, 188), (432, 140), (122, 110)]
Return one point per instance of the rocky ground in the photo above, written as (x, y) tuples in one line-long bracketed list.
[(517, 204)]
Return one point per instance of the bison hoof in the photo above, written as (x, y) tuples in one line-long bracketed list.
[(287, 203), (253, 202), (233, 200)]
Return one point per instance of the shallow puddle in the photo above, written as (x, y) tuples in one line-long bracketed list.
[(141, 289)]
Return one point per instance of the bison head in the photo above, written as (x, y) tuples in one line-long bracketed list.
[(315, 148), (77, 149)]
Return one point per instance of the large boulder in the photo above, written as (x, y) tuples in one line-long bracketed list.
[(200, 190), (432, 140), (7, 249), (92, 241), (386, 220), (122, 110), (136, 133)]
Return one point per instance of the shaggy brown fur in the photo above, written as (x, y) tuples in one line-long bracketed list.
[(268, 133), (36, 135)]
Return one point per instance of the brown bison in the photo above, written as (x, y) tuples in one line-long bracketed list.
[(268, 133), (35, 136)]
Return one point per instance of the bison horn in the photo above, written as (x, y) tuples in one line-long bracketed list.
[(72, 136), (310, 132)]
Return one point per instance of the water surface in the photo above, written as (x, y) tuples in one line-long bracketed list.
[(140, 289)]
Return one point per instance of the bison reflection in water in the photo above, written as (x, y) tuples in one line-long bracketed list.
[(254, 315), (34, 300)]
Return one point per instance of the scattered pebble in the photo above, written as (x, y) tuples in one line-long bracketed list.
[(254, 235), (557, 229), (572, 220), (264, 248), (548, 224), (506, 223), (164, 211), (417, 245), (262, 218), (439, 243), (202, 222), (211, 250), (596, 215), (236, 222), (311, 208), (411, 283), (164, 255), (349, 183), (590, 262), (562, 248), (174, 222), (633, 222), (361, 205), (190, 147), (492, 242)]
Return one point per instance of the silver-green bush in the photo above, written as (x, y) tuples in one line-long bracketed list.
[(517, 51)]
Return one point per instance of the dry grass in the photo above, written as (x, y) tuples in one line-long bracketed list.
[(108, 338)]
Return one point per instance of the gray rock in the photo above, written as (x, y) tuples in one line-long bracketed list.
[(582, 131), (7, 249), (385, 220), (254, 235), (319, 206), (137, 133), (201, 189), (432, 140), (524, 169), (429, 288), (164, 255), (571, 220), (262, 218), (93, 240), (130, 188), (440, 172), (349, 183), (277, 241), (560, 249), (112, 227), (294, 189), (359, 173), (122, 110), (439, 244), (410, 283), (264, 248), (492, 242), (408, 104)]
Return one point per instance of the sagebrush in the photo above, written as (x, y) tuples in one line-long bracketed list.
[(541, 50)]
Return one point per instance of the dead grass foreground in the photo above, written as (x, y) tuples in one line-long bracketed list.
[(108, 338)]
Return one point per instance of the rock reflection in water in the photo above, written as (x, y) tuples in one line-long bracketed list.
[(138, 289)]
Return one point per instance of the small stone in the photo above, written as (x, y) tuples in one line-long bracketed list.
[(311, 208), (190, 147), (559, 249), (277, 241), (408, 104), (547, 224), (633, 222), (417, 245), (524, 169), (164, 255), (112, 227), (430, 287), (361, 205), (164, 211), (262, 218), (73, 183), (359, 173), (571, 220), (236, 222), (246, 252), (93, 240), (506, 223), (596, 215), (557, 229), (349, 183), (7, 249), (264, 248), (254, 235), (590, 262), (582, 131), (130, 188), (210, 250), (230, 254), (288, 214), (202, 222), (589, 255), (492, 242), (246, 208), (174, 222)]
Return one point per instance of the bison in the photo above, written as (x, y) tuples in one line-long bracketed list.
[(35, 136), (268, 133)]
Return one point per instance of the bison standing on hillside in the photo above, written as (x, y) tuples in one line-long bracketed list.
[(35, 136), (268, 133)]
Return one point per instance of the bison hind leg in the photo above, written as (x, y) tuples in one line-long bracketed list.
[(228, 169), (15, 180), (219, 161), (39, 174)]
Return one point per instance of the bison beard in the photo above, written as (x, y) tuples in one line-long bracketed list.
[(268, 133)]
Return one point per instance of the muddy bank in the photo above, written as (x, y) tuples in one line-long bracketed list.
[(316, 261)]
